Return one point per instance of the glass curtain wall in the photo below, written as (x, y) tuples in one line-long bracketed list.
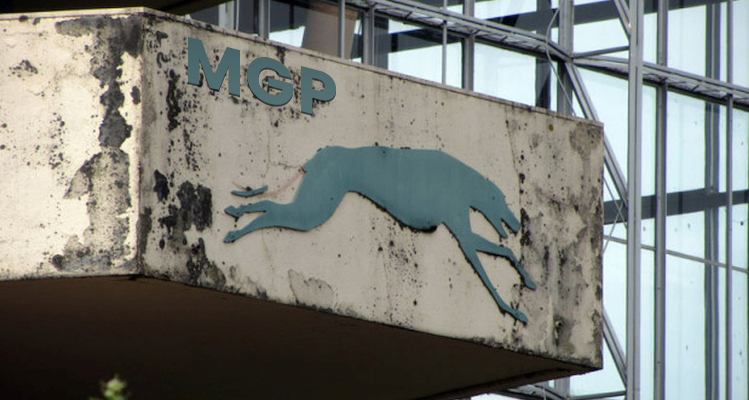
[(676, 184)]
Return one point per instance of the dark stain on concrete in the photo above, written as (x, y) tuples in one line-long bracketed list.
[(525, 239), (191, 153), (135, 94), (161, 187), (24, 68), (160, 35), (196, 207), (172, 219), (105, 177), (197, 203), (203, 271), (173, 97), (113, 37), (144, 229)]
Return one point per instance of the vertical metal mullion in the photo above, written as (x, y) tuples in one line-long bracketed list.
[(729, 205), (729, 246), (565, 29), (263, 19), (444, 45), (660, 245), (342, 29), (543, 66), (469, 44), (368, 33), (712, 223), (659, 367), (634, 211), (236, 14)]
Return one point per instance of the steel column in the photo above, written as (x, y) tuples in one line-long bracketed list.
[(342, 29), (566, 28), (729, 206), (444, 46), (263, 18), (634, 168), (712, 223), (659, 348), (469, 44), (368, 36)]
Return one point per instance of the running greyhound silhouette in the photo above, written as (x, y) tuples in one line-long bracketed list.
[(420, 188)]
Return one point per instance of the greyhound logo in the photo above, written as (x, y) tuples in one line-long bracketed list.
[(420, 188)]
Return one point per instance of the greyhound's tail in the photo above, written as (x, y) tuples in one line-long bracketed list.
[(250, 191)]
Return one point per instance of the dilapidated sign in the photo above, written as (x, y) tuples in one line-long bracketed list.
[(404, 218)]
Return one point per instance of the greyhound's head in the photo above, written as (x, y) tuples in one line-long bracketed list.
[(502, 214), (511, 221)]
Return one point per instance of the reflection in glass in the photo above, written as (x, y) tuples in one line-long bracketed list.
[(504, 74), (409, 43)]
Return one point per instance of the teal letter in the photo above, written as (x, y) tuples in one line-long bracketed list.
[(196, 58), (327, 94), (253, 75)]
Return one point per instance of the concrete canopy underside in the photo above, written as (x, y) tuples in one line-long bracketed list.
[(169, 340)]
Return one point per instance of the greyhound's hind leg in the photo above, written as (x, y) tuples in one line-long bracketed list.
[(488, 247), (314, 203), (237, 212)]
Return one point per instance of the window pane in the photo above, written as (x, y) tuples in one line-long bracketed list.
[(287, 21), (686, 143), (740, 150), (417, 51), (505, 74), (739, 337), (740, 44), (685, 333), (686, 39), (500, 8), (609, 94), (740, 223), (593, 31)]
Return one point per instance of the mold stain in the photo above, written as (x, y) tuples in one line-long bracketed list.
[(203, 271), (104, 178)]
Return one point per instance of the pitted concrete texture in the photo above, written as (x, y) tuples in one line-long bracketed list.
[(126, 169)]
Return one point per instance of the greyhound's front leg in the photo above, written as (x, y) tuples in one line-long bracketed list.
[(488, 247)]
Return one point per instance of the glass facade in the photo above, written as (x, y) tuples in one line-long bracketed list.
[(677, 152)]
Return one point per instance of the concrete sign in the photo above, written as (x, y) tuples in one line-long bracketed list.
[(400, 220)]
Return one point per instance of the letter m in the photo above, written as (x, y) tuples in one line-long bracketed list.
[(196, 57)]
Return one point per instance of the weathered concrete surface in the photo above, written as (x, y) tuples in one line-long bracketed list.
[(138, 176), (68, 147)]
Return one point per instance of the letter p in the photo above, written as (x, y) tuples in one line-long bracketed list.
[(308, 93)]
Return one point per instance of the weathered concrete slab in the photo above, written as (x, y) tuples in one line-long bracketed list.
[(126, 169)]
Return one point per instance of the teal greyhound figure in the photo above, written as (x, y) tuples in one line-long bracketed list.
[(420, 188)]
